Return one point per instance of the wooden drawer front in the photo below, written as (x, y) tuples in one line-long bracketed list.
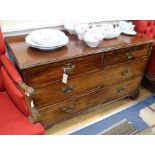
[(122, 72), (58, 91), (75, 67), (52, 114), (127, 54)]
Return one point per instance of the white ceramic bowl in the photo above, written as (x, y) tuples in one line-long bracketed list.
[(92, 44), (70, 27), (113, 34), (93, 39)]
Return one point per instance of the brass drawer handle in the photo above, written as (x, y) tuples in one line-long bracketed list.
[(129, 55), (124, 72), (68, 88), (68, 109), (68, 68), (120, 89)]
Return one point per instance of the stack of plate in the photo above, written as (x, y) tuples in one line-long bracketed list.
[(47, 39)]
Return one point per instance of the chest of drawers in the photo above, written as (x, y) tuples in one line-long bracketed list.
[(96, 76)]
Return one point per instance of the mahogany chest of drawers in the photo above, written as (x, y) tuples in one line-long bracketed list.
[(96, 76)]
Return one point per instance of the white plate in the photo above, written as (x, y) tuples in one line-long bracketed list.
[(47, 37), (44, 48), (30, 43), (130, 32), (112, 36)]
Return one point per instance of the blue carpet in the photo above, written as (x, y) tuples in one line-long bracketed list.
[(131, 114)]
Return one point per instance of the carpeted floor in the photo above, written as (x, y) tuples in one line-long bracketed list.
[(131, 114)]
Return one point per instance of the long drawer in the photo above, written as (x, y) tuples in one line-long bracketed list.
[(53, 72), (126, 54), (52, 114), (56, 92)]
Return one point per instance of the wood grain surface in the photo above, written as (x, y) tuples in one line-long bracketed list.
[(96, 76)]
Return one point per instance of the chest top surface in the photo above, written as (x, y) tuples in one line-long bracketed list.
[(27, 57)]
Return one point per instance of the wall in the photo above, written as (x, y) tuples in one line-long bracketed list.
[(17, 27), (10, 27)]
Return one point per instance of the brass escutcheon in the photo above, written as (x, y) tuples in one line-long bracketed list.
[(125, 72), (120, 89), (68, 88), (68, 68), (129, 55), (68, 109)]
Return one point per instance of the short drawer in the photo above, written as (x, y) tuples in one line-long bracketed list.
[(53, 114), (53, 72), (126, 54), (58, 91)]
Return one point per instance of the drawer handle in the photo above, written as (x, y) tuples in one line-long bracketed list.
[(129, 55), (68, 109), (120, 89), (68, 68), (68, 88), (124, 72)]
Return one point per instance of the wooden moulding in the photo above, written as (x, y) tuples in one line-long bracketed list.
[(30, 57), (28, 94)]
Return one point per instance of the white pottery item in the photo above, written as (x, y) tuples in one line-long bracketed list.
[(93, 39), (47, 37), (127, 28), (81, 29), (70, 26)]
